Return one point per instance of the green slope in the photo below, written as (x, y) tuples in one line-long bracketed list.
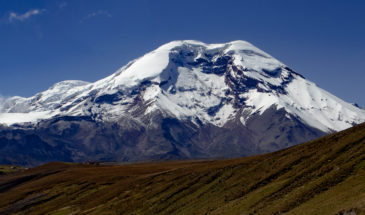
[(324, 176)]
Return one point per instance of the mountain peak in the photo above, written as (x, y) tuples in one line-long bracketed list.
[(236, 43), (194, 53), (69, 84), (185, 99), (188, 79)]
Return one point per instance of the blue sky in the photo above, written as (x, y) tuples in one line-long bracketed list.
[(46, 41)]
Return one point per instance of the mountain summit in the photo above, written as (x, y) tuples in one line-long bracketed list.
[(186, 99)]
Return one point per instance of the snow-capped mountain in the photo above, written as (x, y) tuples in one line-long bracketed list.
[(234, 89)]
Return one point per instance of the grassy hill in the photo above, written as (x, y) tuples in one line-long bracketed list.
[(324, 176)]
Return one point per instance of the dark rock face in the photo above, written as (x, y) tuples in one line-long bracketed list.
[(81, 139), (24, 147), (273, 130)]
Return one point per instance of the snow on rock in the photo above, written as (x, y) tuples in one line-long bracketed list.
[(189, 80), (249, 56), (146, 67), (311, 104), (13, 118)]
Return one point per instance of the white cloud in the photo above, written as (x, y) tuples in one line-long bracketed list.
[(96, 13), (22, 17)]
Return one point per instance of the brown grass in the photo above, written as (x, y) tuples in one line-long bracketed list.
[(325, 176)]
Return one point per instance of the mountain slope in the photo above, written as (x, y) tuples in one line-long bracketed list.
[(324, 176), (191, 79), (186, 99)]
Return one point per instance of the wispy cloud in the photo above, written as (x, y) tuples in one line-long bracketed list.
[(62, 5), (2, 101), (22, 17), (96, 13)]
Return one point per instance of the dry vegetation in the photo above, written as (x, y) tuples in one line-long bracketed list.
[(6, 169), (325, 176)]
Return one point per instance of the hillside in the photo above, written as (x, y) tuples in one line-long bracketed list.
[(324, 176)]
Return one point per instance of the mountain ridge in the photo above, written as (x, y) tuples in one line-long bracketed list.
[(172, 100), (264, 68)]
